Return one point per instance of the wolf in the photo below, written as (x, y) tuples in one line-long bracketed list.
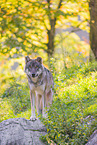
[(41, 86)]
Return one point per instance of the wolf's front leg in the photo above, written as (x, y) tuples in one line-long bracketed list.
[(32, 98), (38, 104)]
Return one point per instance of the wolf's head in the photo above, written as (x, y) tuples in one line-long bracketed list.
[(33, 67)]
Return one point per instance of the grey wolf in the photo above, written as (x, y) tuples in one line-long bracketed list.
[(41, 85)]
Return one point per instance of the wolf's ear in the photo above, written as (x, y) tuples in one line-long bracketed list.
[(27, 58), (39, 59)]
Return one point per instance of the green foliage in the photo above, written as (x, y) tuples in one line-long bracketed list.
[(19, 98), (24, 27), (70, 50), (15, 100), (24, 24), (6, 110), (19, 28), (72, 116)]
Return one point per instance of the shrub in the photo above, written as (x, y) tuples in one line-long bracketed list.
[(72, 116), (18, 96)]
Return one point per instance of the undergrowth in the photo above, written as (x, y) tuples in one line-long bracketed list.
[(72, 116)]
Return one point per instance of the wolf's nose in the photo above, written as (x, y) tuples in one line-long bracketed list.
[(33, 75)]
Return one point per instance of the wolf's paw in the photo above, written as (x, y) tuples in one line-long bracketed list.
[(32, 118)]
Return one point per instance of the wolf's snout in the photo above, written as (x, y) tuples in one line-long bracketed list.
[(33, 75)]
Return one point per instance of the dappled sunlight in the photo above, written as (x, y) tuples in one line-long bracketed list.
[(58, 32)]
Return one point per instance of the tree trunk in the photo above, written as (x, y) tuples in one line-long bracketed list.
[(51, 35), (93, 26)]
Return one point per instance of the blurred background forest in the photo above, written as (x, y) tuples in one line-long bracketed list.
[(64, 34)]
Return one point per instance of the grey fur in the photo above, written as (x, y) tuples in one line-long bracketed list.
[(41, 85)]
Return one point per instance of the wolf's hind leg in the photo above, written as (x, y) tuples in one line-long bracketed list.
[(49, 98)]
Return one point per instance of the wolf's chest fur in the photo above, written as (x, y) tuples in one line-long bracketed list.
[(38, 89)]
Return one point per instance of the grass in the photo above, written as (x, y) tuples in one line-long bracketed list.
[(72, 116)]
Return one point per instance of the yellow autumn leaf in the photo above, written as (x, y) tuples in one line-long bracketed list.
[(25, 42), (47, 130), (16, 29), (4, 16), (28, 25), (13, 11), (14, 36), (19, 39), (0, 19), (13, 49), (0, 29), (93, 21), (29, 45), (9, 33)]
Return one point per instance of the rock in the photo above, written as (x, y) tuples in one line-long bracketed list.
[(93, 139), (20, 131)]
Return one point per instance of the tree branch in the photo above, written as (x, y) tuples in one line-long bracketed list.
[(45, 25), (48, 1), (59, 5), (49, 16), (41, 20)]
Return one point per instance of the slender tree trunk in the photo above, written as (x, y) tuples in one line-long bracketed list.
[(93, 26), (51, 36), (51, 31)]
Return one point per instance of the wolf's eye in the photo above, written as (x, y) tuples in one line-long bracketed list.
[(29, 66)]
